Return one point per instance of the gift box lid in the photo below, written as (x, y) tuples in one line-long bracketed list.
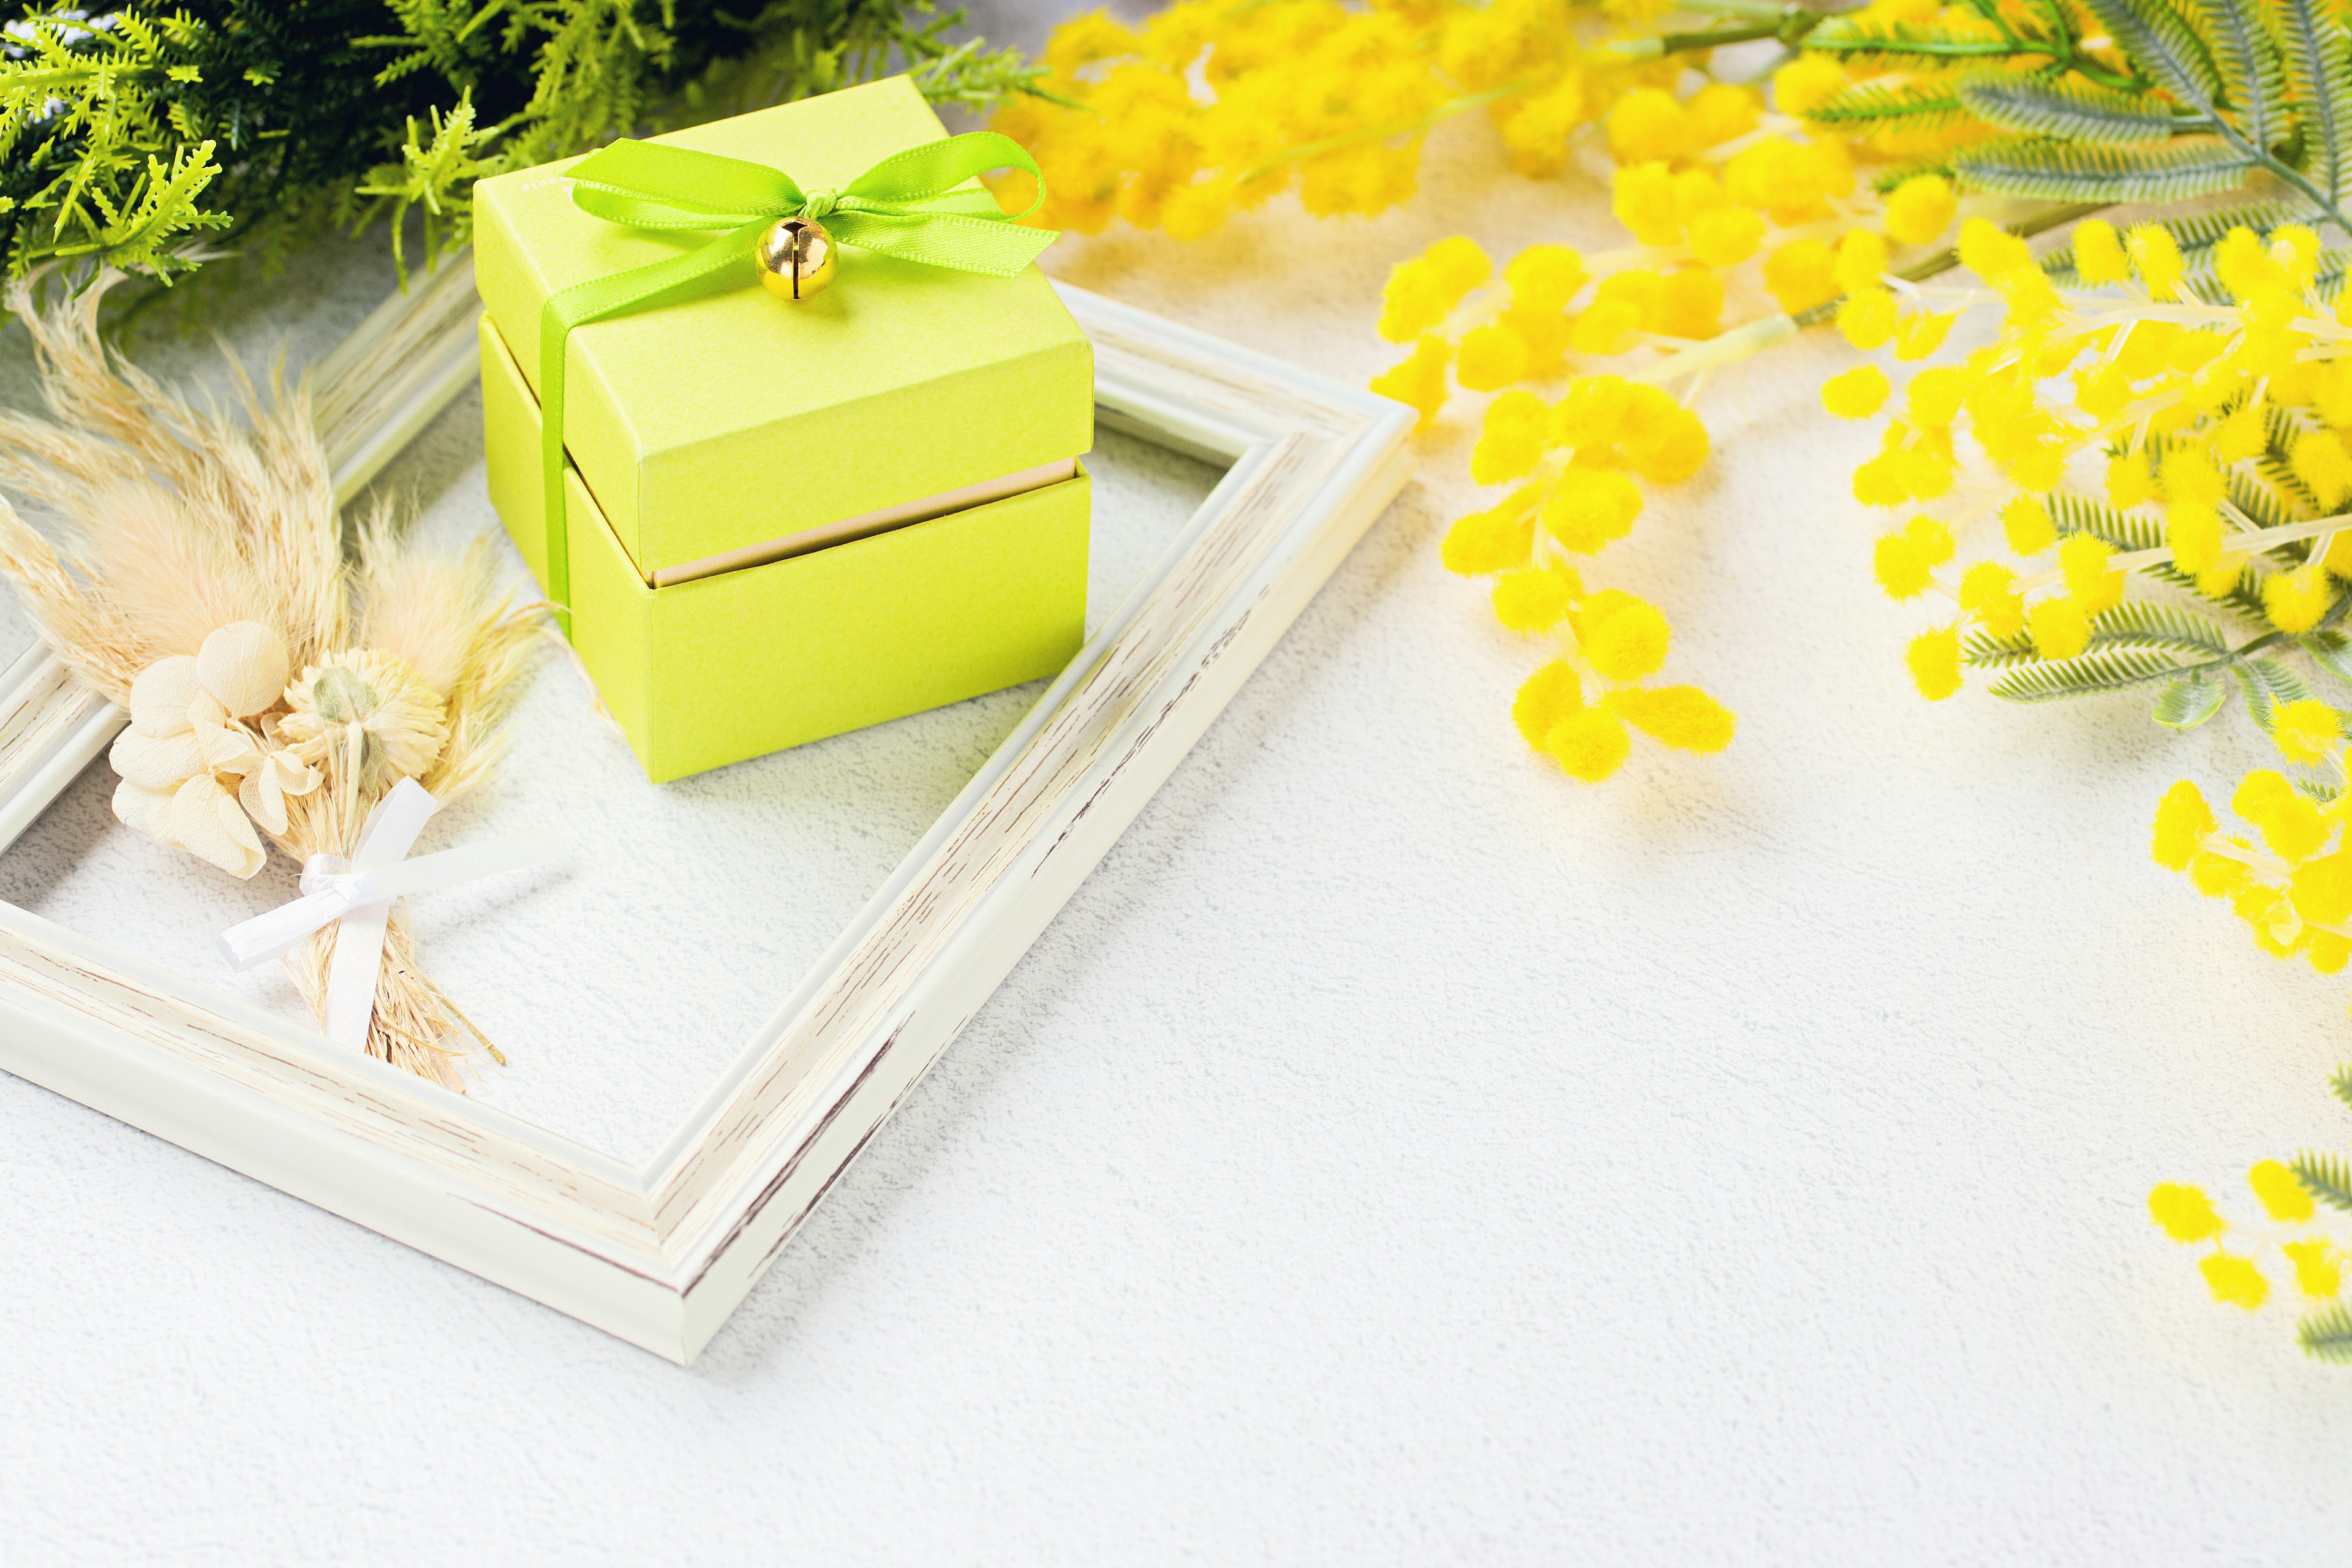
[(721, 422)]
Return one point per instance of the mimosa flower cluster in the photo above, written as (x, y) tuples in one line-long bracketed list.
[(2159, 468), (2240, 1264), (1209, 107), (1571, 464)]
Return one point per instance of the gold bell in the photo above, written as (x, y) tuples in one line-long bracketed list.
[(795, 259)]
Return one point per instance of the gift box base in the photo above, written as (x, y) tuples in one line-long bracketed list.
[(712, 671)]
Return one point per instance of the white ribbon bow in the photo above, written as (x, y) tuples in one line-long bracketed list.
[(359, 893)]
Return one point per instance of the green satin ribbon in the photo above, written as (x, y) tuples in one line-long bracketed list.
[(906, 206)]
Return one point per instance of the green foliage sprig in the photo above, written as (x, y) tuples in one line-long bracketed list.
[(150, 140)]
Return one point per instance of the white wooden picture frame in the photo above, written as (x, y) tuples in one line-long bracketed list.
[(659, 1255)]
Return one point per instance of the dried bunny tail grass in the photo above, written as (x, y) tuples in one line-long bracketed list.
[(130, 464), (277, 477), (171, 579), (505, 642), (91, 636), (425, 607)]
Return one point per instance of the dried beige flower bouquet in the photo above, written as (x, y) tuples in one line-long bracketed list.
[(280, 680)]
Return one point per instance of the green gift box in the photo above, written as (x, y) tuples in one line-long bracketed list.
[(787, 520)]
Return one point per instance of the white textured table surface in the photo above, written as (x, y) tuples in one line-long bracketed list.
[(1395, 1153)]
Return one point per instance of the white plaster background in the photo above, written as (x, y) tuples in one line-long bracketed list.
[(1395, 1153)]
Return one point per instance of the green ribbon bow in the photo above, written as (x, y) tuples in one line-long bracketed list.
[(906, 206)]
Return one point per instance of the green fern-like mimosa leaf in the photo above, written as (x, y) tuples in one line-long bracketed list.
[(2163, 43), (2326, 1334), (1869, 107), (2087, 676), (2318, 64), (2041, 107), (2188, 701), (2056, 171), (2246, 55), (2325, 1176), (1903, 46)]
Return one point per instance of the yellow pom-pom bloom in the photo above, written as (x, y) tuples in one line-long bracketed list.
[(2235, 1280), (1867, 318), (1592, 508), (2192, 532), (2308, 730), (1917, 336), (1487, 542), (1856, 393), (2092, 582), (2033, 304), (1413, 301), (1419, 382), (2282, 1197), (1643, 199), (1934, 660), (2322, 888), (1801, 274), (1623, 638), (1720, 112), (1806, 83), (2325, 950), (1904, 561), (1490, 358), (2099, 253), (2320, 461), (1589, 744), (1549, 695), (1682, 717), (2291, 824), (1534, 599), (1543, 336), (1664, 441), (2218, 875), (2155, 256), (1933, 397), (1648, 125), (2318, 1274), (2242, 436), (2060, 628), (1512, 442), (2182, 821), (1988, 591), (1545, 277), (2025, 523), (1726, 237), (2186, 473), (1458, 264), (1920, 208), (1879, 482), (2296, 600), (2185, 1212), (1593, 413), (1690, 305), (1606, 328), (1860, 262), (1989, 251)]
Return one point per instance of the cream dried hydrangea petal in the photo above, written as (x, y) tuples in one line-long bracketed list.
[(227, 748), (243, 665), (156, 762), (206, 821), (147, 810), (160, 695), (263, 792)]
